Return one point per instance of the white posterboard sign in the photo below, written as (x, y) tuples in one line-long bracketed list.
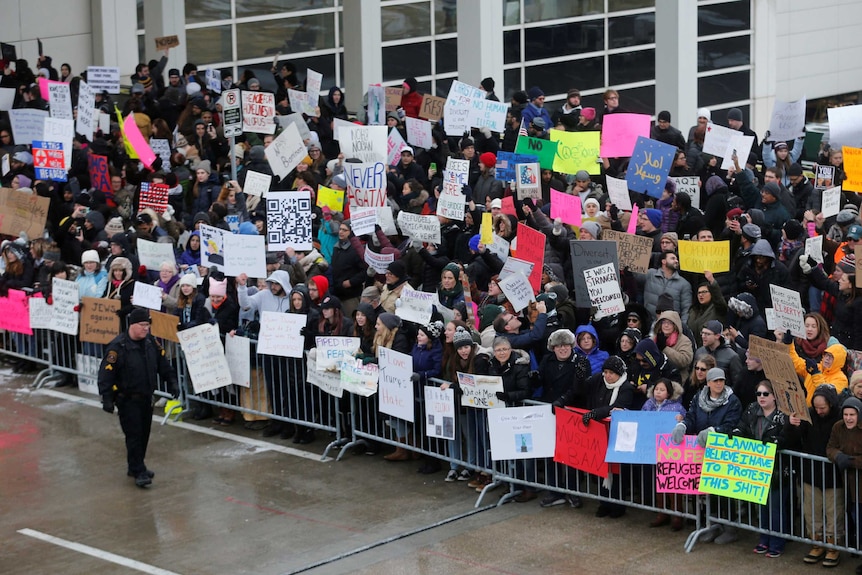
[(27, 124), (513, 265), (814, 248), (244, 255), (788, 120), (148, 296), (618, 190), (64, 318), (40, 313), (329, 381), (788, 310), (280, 334), (831, 202), (415, 305), (741, 144), (420, 228), (286, 151), (395, 388), (256, 183), (690, 186), (527, 432), (419, 132), (717, 138), (104, 78), (152, 254), (258, 113), (288, 220), (363, 220), (359, 378), (236, 351), (480, 390), (332, 349), (60, 101), (500, 248), (378, 262), (207, 364), (518, 290), (86, 122), (440, 412), (603, 285)]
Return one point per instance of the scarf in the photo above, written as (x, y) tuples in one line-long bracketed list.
[(615, 387), (166, 287), (672, 339), (787, 248), (812, 348), (708, 404)]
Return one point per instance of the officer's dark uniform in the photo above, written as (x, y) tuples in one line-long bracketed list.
[(127, 377)]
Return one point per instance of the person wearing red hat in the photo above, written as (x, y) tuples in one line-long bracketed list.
[(487, 186)]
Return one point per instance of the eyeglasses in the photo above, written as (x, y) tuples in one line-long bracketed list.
[(762, 394), (700, 369), (503, 350), (632, 320), (703, 333), (703, 292)]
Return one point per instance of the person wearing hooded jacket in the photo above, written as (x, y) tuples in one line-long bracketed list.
[(673, 343), (744, 320), (829, 370), (761, 271), (348, 270), (847, 316), (708, 304), (844, 449), (652, 365), (587, 345), (411, 99)]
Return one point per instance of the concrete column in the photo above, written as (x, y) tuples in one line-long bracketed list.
[(165, 18), (114, 35), (480, 42), (676, 61), (363, 56), (764, 54)]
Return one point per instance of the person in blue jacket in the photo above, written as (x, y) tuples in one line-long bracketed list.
[(588, 346)]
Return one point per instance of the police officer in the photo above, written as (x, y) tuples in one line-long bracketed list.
[(127, 379)]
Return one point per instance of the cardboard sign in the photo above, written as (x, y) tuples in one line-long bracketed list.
[(164, 42), (737, 467), (632, 437), (205, 359), (14, 315), (515, 265), (649, 166), (500, 248), (778, 366), (678, 467), (633, 251), (527, 432), (440, 412), (20, 211), (788, 120), (104, 79), (545, 150), (480, 391), (99, 320), (620, 133), (432, 107), (704, 256), (788, 310), (577, 151), (164, 325), (531, 247), (393, 98), (814, 248), (589, 254), (395, 388), (581, 446), (456, 110), (376, 108), (603, 284), (280, 334), (258, 113)]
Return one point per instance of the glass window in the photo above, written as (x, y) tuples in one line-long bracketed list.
[(445, 16), (512, 81), (140, 10), (142, 50), (406, 21), (511, 12), (726, 53), (447, 55), (586, 74), (618, 5), (511, 46), (636, 100), (564, 39), (720, 116), (722, 18), (266, 7), (631, 67), (401, 62), (715, 90), (443, 86), (205, 45), (541, 10), (288, 36), (206, 10), (626, 31), (424, 87)]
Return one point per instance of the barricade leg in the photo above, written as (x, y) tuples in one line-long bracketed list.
[(355, 441)]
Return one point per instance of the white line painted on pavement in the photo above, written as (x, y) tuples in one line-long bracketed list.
[(97, 553), (257, 443)]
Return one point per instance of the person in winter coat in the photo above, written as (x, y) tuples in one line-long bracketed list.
[(715, 206), (93, 279), (709, 304), (396, 279), (427, 363), (190, 304), (587, 345), (847, 321), (652, 365), (348, 270), (829, 370), (121, 286), (673, 343), (666, 280), (562, 370), (332, 321), (206, 188), (625, 348), (744, 320), (821, 487), (764, 422), (714, 408), (716, 345), (844, 449), (191, 256), (761, 271)]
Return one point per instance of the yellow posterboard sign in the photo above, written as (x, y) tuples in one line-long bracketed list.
[(329, 197), (704, 256), (486, 231), (577, 151)]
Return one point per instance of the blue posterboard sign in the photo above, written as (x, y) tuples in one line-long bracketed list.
[(48, 161), (504, 170), (649, 166), (632, 436)]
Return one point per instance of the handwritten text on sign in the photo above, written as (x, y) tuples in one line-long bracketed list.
[(581, 446), (678, 467), (737, 467), (480, 390)]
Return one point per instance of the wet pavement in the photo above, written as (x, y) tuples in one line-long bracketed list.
[(230, 503)]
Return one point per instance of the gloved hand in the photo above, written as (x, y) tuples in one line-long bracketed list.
[(811, 366), (678, 433), (843, 461), (415, 377), (803, 264), (614, 212), (788, 338), (661, 340), (485, 131), (588, 416), (558, 226), (701, 437), (142, 270), (107, 404), (555, 405), (303, 330), (398, 302), (502, 396)]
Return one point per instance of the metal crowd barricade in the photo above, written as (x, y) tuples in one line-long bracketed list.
[(33, 348)]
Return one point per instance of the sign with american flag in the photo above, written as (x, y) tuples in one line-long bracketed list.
[(154, 196)]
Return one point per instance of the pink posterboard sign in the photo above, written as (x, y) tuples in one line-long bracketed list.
[(15, 312), (138, 142), (633, 221), (566, 207), (620, 134), (508, 206), (677, 467)]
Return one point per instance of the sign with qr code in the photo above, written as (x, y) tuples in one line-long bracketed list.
[(288, 220)]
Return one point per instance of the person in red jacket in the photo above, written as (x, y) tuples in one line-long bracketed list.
[(411, 99)]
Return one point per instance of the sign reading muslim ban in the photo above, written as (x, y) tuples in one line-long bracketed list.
[(704, 256)]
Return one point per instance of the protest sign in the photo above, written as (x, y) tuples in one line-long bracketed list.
[(205, 359), (64, 318), (358, 378), (531, 247), (500, 248), (378, 262), (288, 220), (154, 196), (48, 161), (164, 325), (567, 207), (486, 229), (393, 97), (704, 256), (581, 446), (603, 284), (716, 139), (618, 190), (62, 131), (395, 388), (488, 114), (15, 317), (633, 251), (824, 176), (60, 100), (545, 150), (27, 124), (376, 106), (852, 169), (280, 334), (516, 265), (366, 184), (528, 181), (790, 395), (737, 467), (139, 143), (620, 133), (456, 110), (432, 107), (386, 221), (395, 144), (258, 111), (328, 381), (365, 143), (212, 246), (457, 171), (518, 290), (6, 164), (690, 186), (329, 197), (787, 306), (286, 151), (162, 148), (99, 320), (504, 169), (7, 98), (420, 228), (526, 432), (152, 254), (236, 352), (452, 203), (363, 220), (415, 305), (40, 313), (480, 391), (244, 255), (588, 254), (678, 467), (632, 436), (165, 42), (788, 120), (576, 151), (845, 126), (104, 78), (440, 412), (257, 184), (332, 349), (419, 132), (509, 206), (148, 296), (298, 120), (649, 166), (20, 211), (298, 100), (739, 144), (814, 248), (88, 373), (313, 80), (831, 202)]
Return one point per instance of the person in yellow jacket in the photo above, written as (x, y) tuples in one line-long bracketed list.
[(830, 369)]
